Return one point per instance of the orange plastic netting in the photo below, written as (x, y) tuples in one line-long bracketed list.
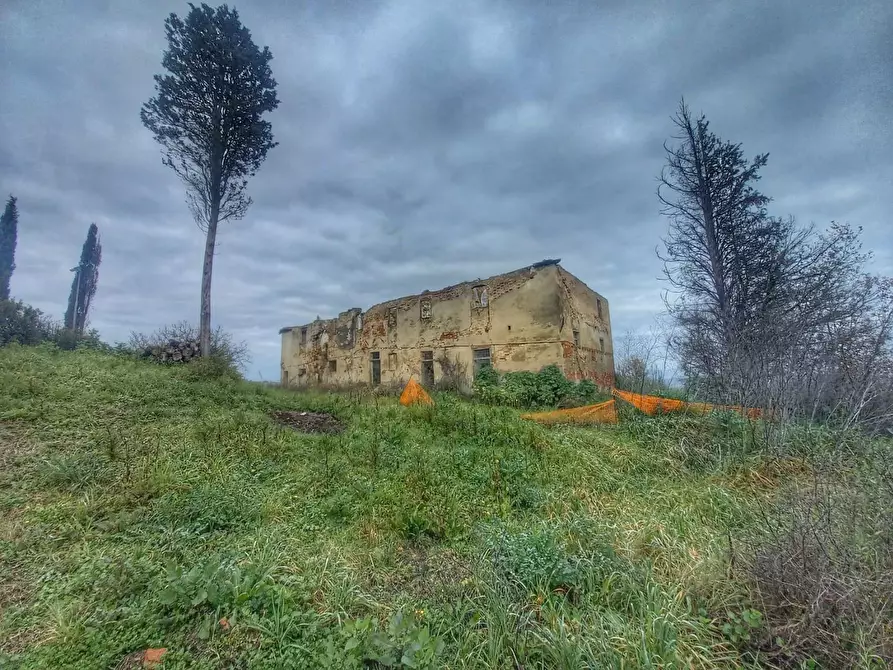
[(651, 405), (604, 412), (413, 393)]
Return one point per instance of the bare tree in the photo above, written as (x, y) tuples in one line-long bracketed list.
[(642, 361), (207, 116), (769, 312), (721, 249)]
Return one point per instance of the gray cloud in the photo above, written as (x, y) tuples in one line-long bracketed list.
[(423, 144)]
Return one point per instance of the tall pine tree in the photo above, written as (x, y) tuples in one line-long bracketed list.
[(207, 114), (9, 225), (86, 278)]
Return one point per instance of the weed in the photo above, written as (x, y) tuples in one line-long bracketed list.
[(546, 388), (738, 627), (823, 567)]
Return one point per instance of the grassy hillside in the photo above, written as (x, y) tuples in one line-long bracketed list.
[(145, 507)]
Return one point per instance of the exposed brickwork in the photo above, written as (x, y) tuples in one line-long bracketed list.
[(602, 379)]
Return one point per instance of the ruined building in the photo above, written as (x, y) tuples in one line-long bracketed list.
[(521, 320)]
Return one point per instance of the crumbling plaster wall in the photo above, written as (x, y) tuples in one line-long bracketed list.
[(524, 323), (591, 354)]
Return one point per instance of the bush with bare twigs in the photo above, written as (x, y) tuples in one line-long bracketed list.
[(822, 569), (178, 342), (454, 375)]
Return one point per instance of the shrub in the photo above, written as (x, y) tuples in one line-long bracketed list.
[(546, 388), (587, 392), (486, 386), (521, 388), (453, 374), (27, 325), (213, 367), (552, 386), (391, 388), (66, 339), (69, 340), (823, 570), (23, 324), (533, 560), (228, 353)]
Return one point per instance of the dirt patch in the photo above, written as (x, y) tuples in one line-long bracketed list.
[(150, 658), (308, 422)]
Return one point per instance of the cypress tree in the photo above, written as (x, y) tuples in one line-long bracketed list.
[(86, 278), (9, 225)]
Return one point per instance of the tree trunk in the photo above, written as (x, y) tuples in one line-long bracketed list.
[(77, 292), (215, 193), (205, 311)]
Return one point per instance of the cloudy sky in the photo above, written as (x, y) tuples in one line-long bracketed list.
[(422, 143)]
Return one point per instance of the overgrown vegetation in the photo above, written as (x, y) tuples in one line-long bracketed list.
[(227, 356), (546, 388), (26, 325), (453, 374), (823, 570), (144, 506)]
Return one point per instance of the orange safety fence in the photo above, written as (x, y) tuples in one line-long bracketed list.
[(413, 393), (651, 405), (604, 412)]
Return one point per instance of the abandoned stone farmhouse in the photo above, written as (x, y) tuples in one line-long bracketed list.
[(521, 320)]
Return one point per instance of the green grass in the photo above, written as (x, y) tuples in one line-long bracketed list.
[(140, 505)]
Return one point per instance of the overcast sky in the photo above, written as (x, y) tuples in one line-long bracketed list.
[(423, 143)]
